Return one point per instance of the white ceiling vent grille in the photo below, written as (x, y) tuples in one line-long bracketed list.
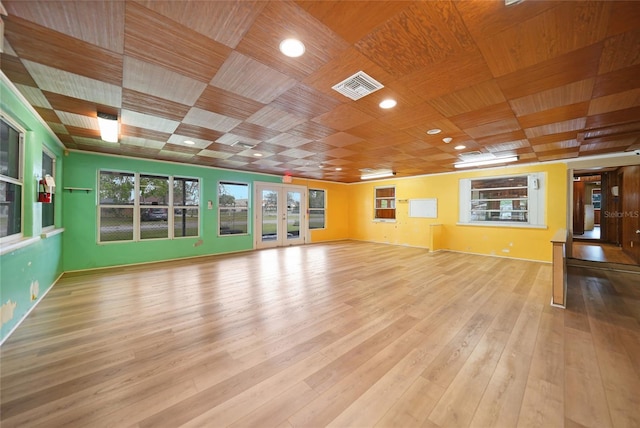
[(242, 145), (358, 86)]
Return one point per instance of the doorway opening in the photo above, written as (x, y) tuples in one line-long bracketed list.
[(606, 217)]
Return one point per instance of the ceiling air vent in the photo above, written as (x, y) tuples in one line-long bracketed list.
[(358, 86), (242, 145)]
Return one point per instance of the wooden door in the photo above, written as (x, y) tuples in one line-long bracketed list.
[(630, 213), (578, 208)]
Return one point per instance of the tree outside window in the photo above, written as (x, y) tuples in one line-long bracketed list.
[(233, 208), (317, 209)]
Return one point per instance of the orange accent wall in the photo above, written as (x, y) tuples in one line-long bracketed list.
[(337, 210), (349, 214), (524, 243)]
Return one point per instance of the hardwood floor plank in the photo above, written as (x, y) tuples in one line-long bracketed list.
[(501, 402), (458, 404), (542, 405), (413, 406), (329, 375), (576, 312), (342, 394), (257, 397), (371, 406), (345, 333), (619, 378), (276, 411), (453, 356), (188, 409), (543, 401), (585, 398)]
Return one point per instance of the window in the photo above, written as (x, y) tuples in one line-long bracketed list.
[(385, 203), (48, 168), (596, 198), (316, 209), (233, 208), (136, 207), (508, 200), (153, 195), (11, 142), (117, 199), (186, 207)]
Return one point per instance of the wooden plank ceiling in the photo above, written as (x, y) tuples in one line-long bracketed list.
[(545, 80)]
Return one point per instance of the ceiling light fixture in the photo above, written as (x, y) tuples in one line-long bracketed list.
[(434, 131), (292, 48), (505, 159), (108, 124), (388, 103), (447, 140), (460, 147), (189, 142), (338, 169), (381, 173), (258, 155)]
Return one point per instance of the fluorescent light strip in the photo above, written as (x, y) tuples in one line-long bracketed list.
[(108, 124), (486, 162), (374, 175)]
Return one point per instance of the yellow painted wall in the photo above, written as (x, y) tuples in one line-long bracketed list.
[(337, 210), (532, 244)]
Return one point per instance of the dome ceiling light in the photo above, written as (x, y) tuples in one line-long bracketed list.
[(292, 48)]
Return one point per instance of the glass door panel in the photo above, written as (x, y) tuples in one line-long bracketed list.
[(294, 217), (281, 219), (269, 219)]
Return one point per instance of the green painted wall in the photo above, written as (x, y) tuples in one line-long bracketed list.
[(80, 244), (26, 273)]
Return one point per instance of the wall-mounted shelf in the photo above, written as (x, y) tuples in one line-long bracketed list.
[(84, 189)]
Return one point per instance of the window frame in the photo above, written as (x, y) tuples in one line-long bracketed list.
[(137, 207), (146, 206), (535, 212), (133, 206), (52, 156), (249, 226), (19, 181), (323, 209), (384, 201), (175, 206)]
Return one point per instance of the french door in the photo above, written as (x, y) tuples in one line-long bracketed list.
[(280, 215)]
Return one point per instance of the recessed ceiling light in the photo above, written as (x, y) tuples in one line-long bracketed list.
[(292, 48), (189, 142), (257, 155), (460, 147), (434, 131), (388, 103), (447, 140)]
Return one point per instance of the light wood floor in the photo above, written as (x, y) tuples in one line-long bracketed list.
[(345, 334)]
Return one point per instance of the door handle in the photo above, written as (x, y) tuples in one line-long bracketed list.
[(638, 231)]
